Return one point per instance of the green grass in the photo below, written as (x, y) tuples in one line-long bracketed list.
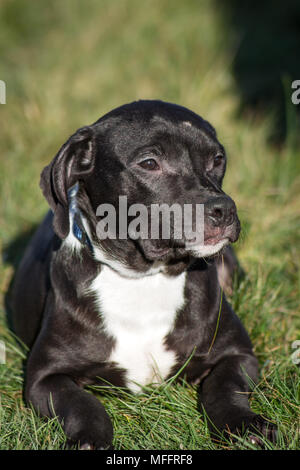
[(67, 63)]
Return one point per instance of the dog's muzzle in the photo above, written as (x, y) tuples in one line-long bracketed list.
[(220, 225), (221, 220)]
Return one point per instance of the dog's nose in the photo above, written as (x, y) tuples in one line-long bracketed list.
[(220, 210)]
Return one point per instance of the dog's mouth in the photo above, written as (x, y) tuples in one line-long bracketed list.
[(215, 235), (214, 240)]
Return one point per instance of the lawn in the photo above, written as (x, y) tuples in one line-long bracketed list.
[(67, 63)]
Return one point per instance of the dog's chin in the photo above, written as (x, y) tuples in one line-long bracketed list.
[(208, 249)]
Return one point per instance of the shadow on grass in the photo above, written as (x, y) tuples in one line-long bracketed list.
[(266, 38), (12, 255)]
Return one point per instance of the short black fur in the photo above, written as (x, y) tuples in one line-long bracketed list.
[(56, 316)]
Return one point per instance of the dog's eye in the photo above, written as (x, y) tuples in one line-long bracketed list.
[(149, 164), (218, 159)]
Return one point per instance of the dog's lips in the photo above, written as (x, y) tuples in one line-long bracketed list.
[(213, 240), (216, 235), (231, 232)]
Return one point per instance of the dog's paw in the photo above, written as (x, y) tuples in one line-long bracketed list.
[(260, 428), (87, 444), (255, 428), (93, 437)]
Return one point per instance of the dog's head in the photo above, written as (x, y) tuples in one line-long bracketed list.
[(135, 169)]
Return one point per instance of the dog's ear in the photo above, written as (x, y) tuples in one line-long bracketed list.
[(74, 160)]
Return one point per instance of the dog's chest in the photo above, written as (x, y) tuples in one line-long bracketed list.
[(138, 314)]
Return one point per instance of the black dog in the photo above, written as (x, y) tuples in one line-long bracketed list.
[(132, 310)]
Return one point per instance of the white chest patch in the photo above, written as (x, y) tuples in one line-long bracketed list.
[(138, 313)]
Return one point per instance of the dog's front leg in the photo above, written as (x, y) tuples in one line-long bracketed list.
[(224, 394), (83, 417)]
